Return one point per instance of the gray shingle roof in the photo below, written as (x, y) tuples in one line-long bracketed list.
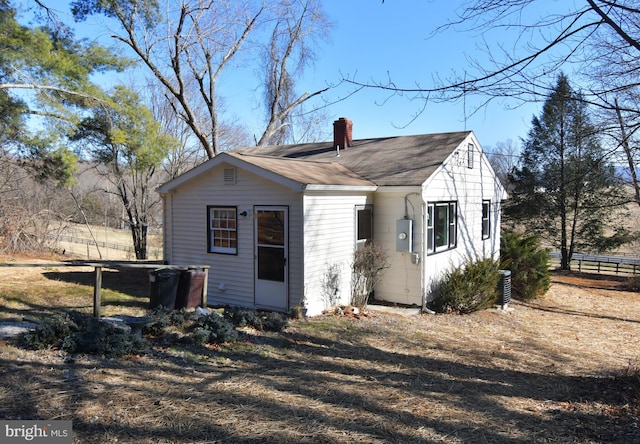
[(401, 160), (306, 171)]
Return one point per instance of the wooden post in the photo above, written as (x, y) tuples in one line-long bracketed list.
[(205, 285), (97, 287)]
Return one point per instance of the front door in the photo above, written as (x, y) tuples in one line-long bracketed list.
[(271, 251)]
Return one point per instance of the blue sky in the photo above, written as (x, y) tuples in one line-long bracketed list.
[(371, 41)]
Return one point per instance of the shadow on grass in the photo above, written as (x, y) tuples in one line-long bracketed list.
[(301, 386), (576, 313), (134, 282)]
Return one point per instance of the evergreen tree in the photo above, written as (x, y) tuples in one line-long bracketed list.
[(128, 146), (566, 191)]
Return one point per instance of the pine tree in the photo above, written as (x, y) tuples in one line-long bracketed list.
[(566, 191)]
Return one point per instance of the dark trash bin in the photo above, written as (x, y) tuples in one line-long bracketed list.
[(163, 286), (190, 288)]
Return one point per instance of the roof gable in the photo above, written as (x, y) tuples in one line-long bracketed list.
[(291, 173), (402, 160), (388, 161)]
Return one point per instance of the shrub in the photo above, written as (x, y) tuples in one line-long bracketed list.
[(633, 284), (49, 333), (161, 320), (214, 329), (82, 333), (246, 317), (331, 285), (468, 288), (273, 321), (529, 265), (369, 263), (243, 317)]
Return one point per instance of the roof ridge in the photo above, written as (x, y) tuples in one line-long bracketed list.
[(296, 159)]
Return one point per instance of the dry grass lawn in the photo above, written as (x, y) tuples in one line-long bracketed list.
[(563, 369)]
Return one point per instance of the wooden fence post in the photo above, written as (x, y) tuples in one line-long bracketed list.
[(97, 287)]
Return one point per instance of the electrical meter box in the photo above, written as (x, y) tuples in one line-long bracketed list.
[(404, 235)]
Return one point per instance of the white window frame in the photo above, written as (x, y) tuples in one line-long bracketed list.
[(486, 219), (222, 229), (361, 210), (449, 210)]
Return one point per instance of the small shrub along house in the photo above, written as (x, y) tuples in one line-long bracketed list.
[(279, 225)]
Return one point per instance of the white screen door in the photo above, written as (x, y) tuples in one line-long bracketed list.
[(271, 250)]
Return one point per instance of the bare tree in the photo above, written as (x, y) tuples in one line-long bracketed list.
[(504, 159), (598, 39), (190, 44), (522, 70), (298, 25)]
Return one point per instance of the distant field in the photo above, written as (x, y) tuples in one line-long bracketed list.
[(80, 241)]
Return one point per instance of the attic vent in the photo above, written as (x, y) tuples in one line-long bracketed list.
[(229, 176)]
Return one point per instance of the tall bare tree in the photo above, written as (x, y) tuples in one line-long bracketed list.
[(189, 44), (298, 25), (504, 159), (597, 40), (584, 33)]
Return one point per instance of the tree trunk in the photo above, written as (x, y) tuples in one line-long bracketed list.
[(629, 153), (139, 234)]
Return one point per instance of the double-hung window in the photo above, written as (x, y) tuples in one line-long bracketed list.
[(364, 224), (442, 226), (486, 219), (222, 230)]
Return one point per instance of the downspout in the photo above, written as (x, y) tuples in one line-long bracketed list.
[(423, 249), (423, 267)]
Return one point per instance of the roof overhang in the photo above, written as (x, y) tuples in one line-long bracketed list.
[(404, 189), (356, 188), (238, 162)]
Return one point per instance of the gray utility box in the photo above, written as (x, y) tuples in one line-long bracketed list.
[(404, 235)]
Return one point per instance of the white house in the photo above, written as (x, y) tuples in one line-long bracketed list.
[(273, 221)]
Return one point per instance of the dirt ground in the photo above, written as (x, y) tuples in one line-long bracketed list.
[(562, 369)]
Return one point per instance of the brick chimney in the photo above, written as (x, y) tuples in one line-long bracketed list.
[(342, 133)]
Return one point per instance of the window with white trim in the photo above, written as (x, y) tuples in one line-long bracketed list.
[(222, 230), (470, 150), (442, 226), (486, 219), (364, 224)]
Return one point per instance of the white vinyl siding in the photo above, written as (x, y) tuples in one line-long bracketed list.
[(401, 282), (454, 181), (330, 231), (231, 276)]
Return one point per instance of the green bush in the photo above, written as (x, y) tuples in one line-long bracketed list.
[(243, 317), (82, 333), (529, 265), (161, 320), (273, 321), (246, 317), (49, 333), (468, 288), (214, 329)]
